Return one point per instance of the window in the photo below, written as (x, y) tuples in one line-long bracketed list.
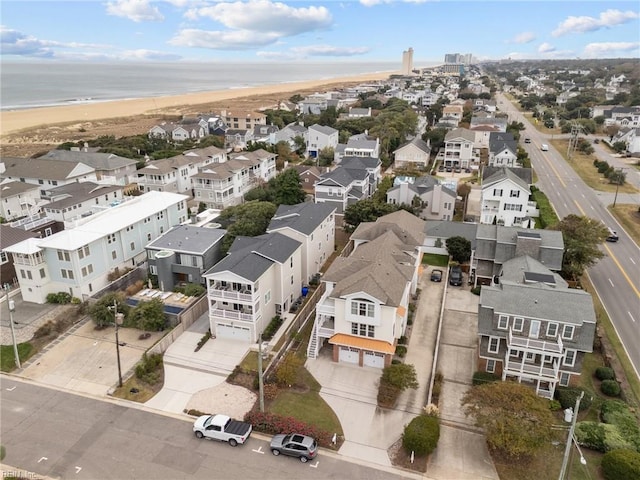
[(291, 279), (569, 358), (491, 366), (362, 308), (42, 273), (494, 344), (63, 256), (530, 357), (148, 237), (63, 272), (291, 262), (567, 332), (552, 329), (515, 194), (564, 379), (503, 322), (111, 238), (22, 274), (363, 330), (83, 252), (133, 245), (29, 275), (90, 268), (267, 297), (497, 192), (517, 324), (3, 257), (114, 255)]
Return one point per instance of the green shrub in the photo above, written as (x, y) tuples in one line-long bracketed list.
[(554, 405), (421, 435), (401, 351), (205, 338), (480, 378), (605, 373), (619, 414), (602, 437), (476, 290), (567, 397), (147, 370), (272, 328), (61, 298), (619, 464), (610, 388)]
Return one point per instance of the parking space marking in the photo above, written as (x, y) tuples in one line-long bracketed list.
[(42, 458), (259, 450), (316, 465), (11, 389), (78, 469)]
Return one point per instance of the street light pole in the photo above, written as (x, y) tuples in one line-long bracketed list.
[(11, 306), (618, 180), (115, 321)]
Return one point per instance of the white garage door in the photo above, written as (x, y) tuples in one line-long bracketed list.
[(373, 359), (349, 355), (233, 332)]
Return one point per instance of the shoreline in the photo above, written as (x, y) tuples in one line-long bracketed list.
[(14, 121)]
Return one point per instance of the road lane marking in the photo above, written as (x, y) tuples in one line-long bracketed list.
[(554, 170), (11, 389), (259, 450), (633, 319), (615, 260), (78, 469), (580, 208), (316, 465), (611, 282), (632, 260), (42, 458)]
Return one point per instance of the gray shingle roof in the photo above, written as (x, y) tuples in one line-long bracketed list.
[(418, 142), (498, 141), (188, 239), (77, 192), (505, 173), (460, 133), (10, 236), (49, 169), (408, 228), (99, 161), (360, 163), (303, 217), (323, 129), (446, 229), (12, 188), (525, 174)]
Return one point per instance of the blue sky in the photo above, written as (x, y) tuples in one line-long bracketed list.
[(313, 31)]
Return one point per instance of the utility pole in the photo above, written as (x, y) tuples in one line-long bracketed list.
[(618, 178), (573, 139), (11, 306), (260, 379), (116, 318), (567, 449)]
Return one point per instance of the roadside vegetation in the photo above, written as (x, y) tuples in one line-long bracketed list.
[(628, 215), (146, 382)]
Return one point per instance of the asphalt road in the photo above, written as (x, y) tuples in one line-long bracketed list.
[(61, 435), (616, 277)]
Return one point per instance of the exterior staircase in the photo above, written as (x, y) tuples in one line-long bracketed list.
[(312, 348)]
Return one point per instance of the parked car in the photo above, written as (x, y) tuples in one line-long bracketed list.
[(223, 428), (527, 140), (457, 170), (441, 168), (436, 275), (449, 169), (294, 445), (597, 140), (544, 147), (455, 276)]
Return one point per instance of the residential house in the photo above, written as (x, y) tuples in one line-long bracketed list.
[(178, 132), (505, 197), (71, 202), (79, 260), (110, 169), (174, 174), (363, 311), (46, 173), (429, 99), (438, 231), (10, 236), (499, 124), (223, 184), (459, 149), (243, 119), (312, 105), (313, 225), (359, 112), (631, 138), (503, 150), (496, 244), (361, 145), (436, 201), (265, 134), (183, 254), (18, 199), (309, 175), (415, 153), (258, 279), (452, 114), (533, 329), (320, 137), (238, 138)]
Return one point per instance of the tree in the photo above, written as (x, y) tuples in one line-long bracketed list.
[(581, 235), (421, 435), (517, 422), (287, 370), (148, 315), (286, 188), (400, 376), (101, 312), (459, 248), (366, 211), (249, 219), (325, 157), (380, 195)]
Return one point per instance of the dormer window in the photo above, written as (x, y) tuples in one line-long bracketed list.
[(362, 308)]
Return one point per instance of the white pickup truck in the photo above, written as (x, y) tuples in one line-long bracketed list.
[(223, 428)]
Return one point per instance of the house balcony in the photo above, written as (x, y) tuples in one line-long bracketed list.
[(234, 315), (213, 186), (32, 260), (151, 181), (220, 291), (547, 371), (554, 348), (325, 326)]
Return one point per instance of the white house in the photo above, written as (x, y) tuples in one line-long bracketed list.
[(78, 260), (503, 150), (258, 279), (459, 149), (46, 173), (364, 309), (18, 199), (313, 225), (436, 201), (415, 153), (68, 203), (505, 197), (320, 137)]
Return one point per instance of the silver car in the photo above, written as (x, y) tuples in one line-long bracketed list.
[(295, 445)]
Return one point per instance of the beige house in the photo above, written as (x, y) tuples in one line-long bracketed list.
[(415, 153), (243, 119)]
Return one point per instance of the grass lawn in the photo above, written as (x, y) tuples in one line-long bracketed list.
[(629, 217), (583, 165), (435, 260), (8, 359), (145, 391)]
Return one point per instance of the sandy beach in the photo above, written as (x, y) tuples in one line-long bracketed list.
[(22, 120)]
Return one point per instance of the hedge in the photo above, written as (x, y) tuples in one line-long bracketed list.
[(619, 464), (605, 373), (480, 378), (610, 388), (273, 424), (619, 414), (567, 397), (421, 435)]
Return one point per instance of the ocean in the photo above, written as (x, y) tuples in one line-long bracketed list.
[(31, 85)]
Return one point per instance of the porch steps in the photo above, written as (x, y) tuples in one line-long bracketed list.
[(312, 349)]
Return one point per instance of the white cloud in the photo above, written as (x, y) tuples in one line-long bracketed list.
[(546, 48), (13, 42), (371, 3), (608, 49), (265, 16), (607, 19), (329, 51), (135, 10), (524, 37), (230, 40), (142, 54)]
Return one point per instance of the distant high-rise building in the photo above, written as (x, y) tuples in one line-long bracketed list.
[(407, 62), (454, 58)]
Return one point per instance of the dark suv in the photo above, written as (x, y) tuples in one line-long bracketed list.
[(295, 445), (455, 276)]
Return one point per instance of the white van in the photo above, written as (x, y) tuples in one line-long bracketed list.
[(544, 147)]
